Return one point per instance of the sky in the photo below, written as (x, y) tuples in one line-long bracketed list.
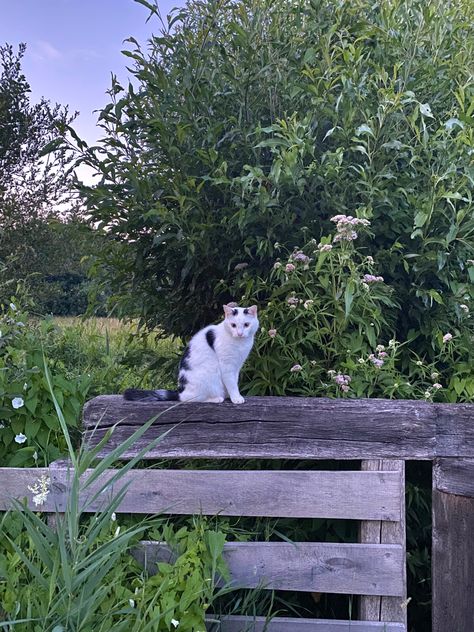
[(73, 46)]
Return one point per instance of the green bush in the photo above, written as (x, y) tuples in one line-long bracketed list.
[(326, 330), (254, 123), (29, 429)]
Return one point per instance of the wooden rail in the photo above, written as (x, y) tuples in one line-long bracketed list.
[(382, 431), (290, 428)]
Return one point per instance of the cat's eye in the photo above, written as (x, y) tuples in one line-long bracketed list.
[(234, 325), (246, 324)]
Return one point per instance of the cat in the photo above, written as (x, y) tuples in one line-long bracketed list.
[(210, 366)]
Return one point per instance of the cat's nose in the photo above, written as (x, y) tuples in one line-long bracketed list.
[(240, 334)]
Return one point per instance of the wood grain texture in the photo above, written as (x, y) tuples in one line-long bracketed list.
[(288, 427), (14, 483), (302, 494), (287, 624), (361, 569), (386, 608), (454, 476), (452, 562)]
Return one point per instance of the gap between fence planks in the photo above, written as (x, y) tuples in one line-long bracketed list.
[(287, 427), (286, 624), (368, 569)]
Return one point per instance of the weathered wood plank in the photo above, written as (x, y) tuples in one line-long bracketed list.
[(452, 556), (289, 427), (14, 483), (386, 608), (302, 494), (288, 624), (361, 569), (454, 476)]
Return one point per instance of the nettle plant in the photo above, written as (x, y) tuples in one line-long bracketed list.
[(327, 329), (29, 430)]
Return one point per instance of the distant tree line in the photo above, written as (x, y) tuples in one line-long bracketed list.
[(45, 246)]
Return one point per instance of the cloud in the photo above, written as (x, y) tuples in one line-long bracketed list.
[(45, 51)]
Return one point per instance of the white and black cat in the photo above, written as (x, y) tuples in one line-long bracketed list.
[(210, 366)]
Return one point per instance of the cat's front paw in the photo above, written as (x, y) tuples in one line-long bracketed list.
[(237, 400)]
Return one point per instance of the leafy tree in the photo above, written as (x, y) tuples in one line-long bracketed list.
[(42, 241), (251, 123)]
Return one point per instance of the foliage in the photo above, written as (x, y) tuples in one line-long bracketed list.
[(78, 575), (29, 429), (253, 123), (114, 355), (326, 318), (42, 240)]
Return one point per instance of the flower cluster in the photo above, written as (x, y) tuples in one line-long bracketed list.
[(371, 278), (296, 368), (341, 380), (447, 337), (378, 358), (345, 225), (40, 490), (300, 257)]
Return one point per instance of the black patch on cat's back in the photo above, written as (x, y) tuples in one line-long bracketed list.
[(182, 381), (210, 337), (184, 362)]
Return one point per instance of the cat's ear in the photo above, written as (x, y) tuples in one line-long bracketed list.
[(228, 311), (253, 310)]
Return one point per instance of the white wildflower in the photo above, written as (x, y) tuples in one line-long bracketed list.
[(117, 531), (20, 438), (437, 386), (13, 307), (132, 603), (113, 517), (40, 490), (17, 402), (25, 386), (464, 308), (174, 622)]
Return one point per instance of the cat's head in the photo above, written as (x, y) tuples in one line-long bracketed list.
[(240, 322)]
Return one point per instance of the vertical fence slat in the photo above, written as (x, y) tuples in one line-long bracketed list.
[(375, 532), (453, 545)]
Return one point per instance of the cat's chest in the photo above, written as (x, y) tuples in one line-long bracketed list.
[(231, 351)]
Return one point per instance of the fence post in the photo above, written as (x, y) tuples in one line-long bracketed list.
[(453, 545)]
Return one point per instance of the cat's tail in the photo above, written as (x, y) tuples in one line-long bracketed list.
[(135, 394)]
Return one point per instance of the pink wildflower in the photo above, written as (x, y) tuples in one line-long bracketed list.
[(290, 267), (345, 226), (272, 333), (325, 247), (300, 256), (447, 337), (296, 368), (370, 278), (292, 300)]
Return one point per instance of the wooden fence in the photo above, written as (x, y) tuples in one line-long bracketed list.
[(379, 433)]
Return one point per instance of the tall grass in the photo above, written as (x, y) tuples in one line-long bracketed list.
[(75, 574)]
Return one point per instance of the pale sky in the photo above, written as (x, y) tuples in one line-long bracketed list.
[(74, 45)]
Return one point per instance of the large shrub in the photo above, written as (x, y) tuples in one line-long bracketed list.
[(251, 123)]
